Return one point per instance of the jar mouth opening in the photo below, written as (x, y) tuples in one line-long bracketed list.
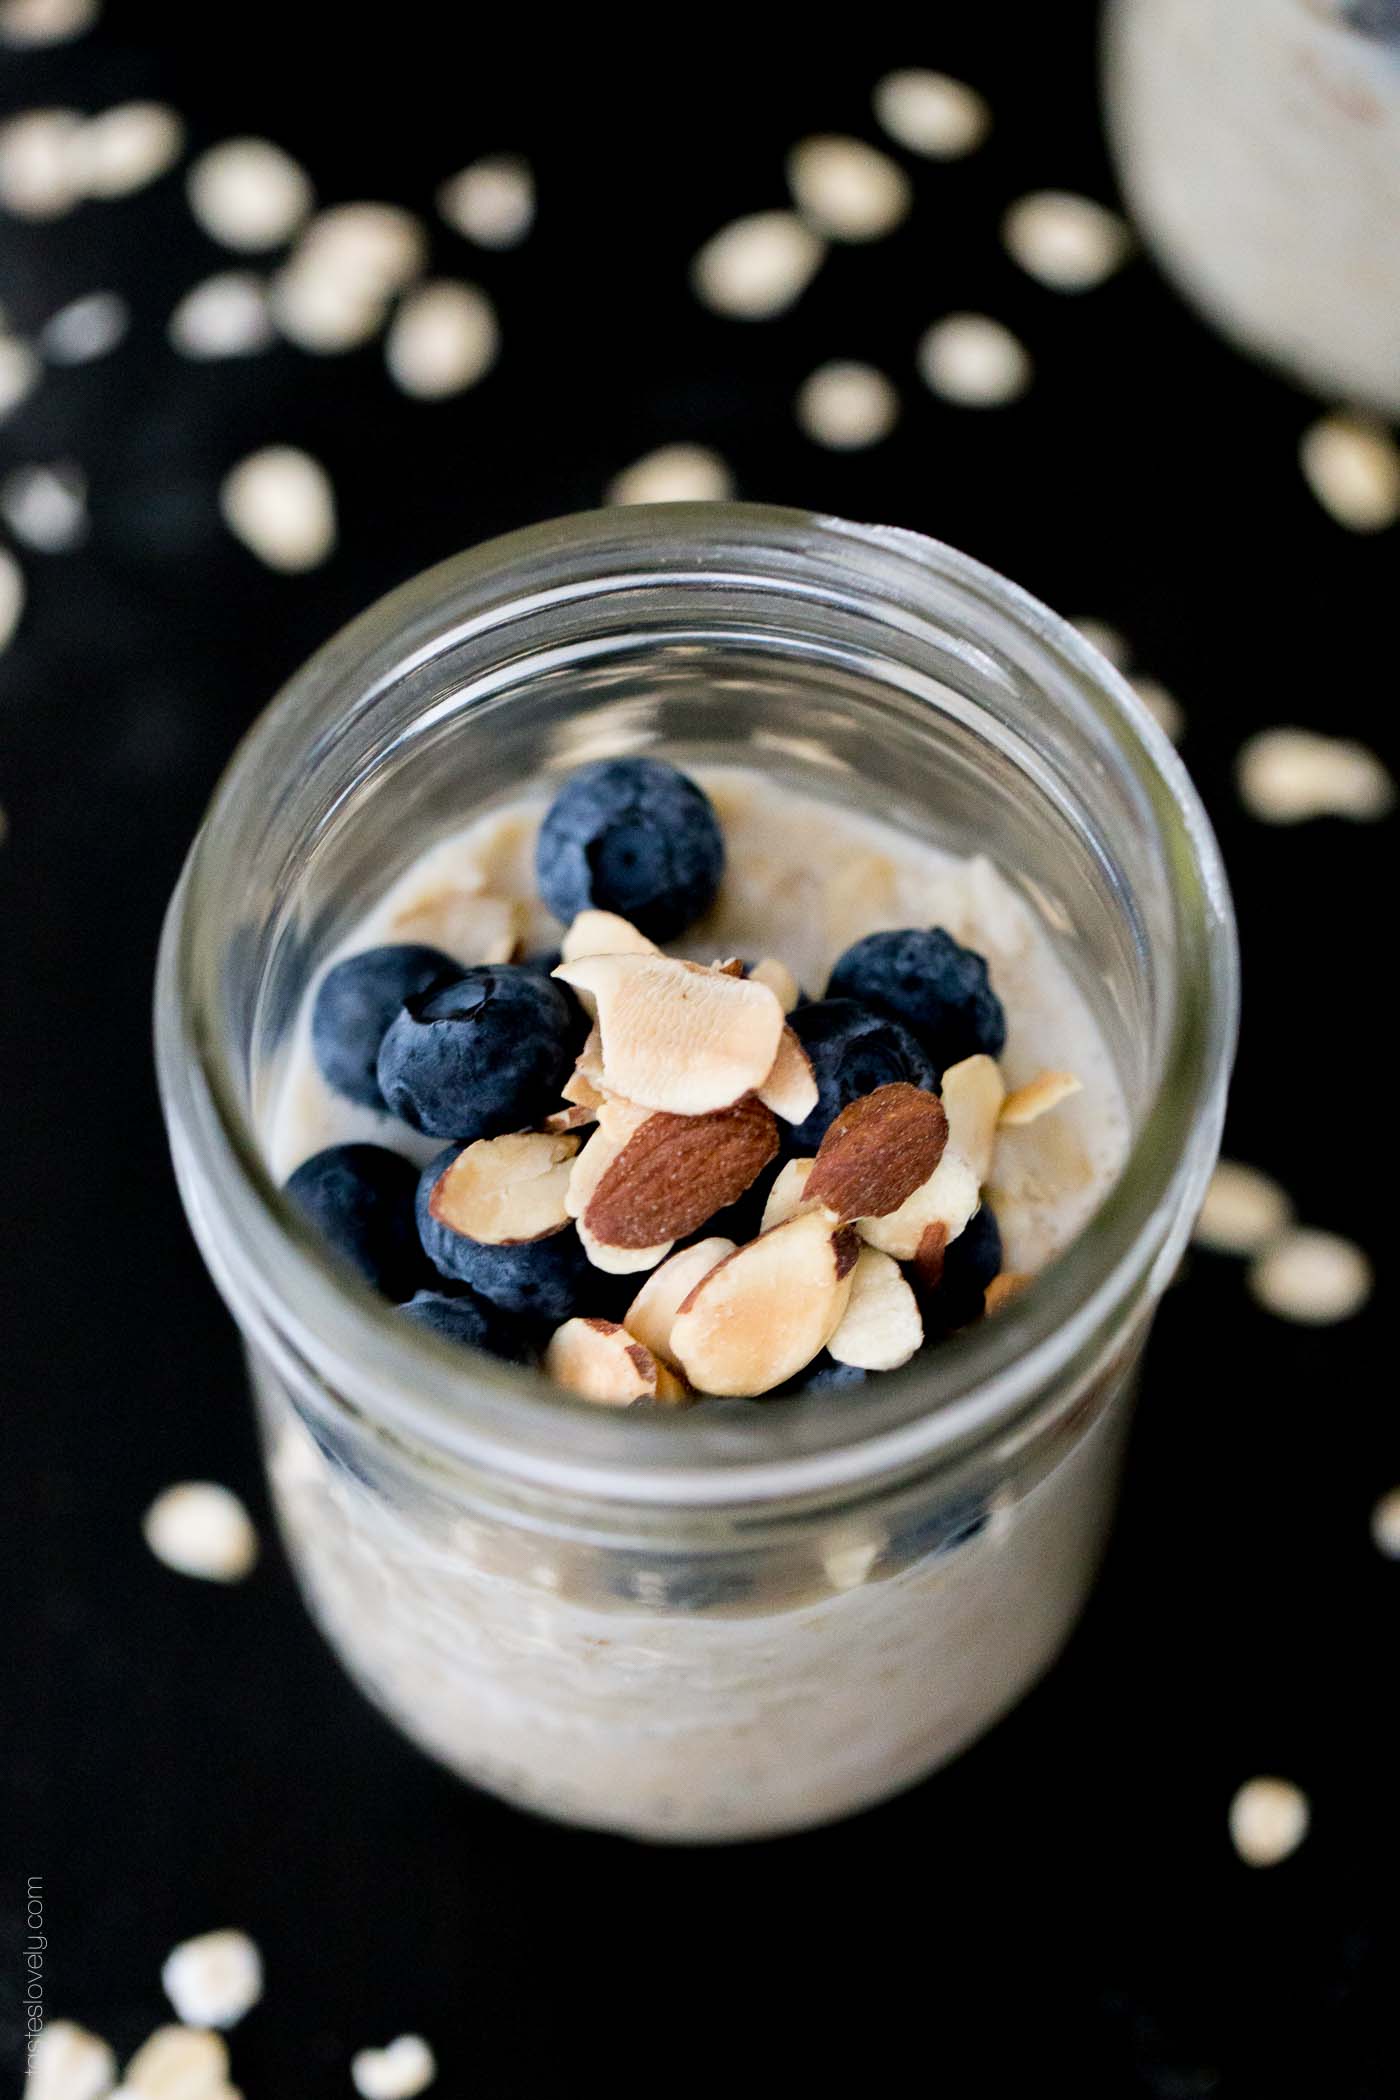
[(346, 1349)]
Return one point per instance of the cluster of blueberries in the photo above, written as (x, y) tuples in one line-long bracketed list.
[(463, 1054)]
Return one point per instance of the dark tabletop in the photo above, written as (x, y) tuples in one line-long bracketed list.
[(1064, 1902)]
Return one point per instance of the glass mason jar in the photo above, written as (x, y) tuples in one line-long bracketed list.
[(680, 1624), (1258, 142)]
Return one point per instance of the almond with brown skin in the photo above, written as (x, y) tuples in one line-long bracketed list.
[(881, 1327), (674, 1172), (652, 1312), (928, 1255), (972, 1098), (602, 1362), (878, 1151), (763, 1313), (503, 1190), (676, 1036), (618, 1123), (790, 1089)]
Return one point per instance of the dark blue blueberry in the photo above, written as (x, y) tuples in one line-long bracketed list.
[(486, 1052), (970, 1263), (827, 1376), (541, 1281), (355, 1002), (1378, 18), (461, 1316), (852, 1051), (633, 836), (360, 1198), (938, 989), (546, 963)]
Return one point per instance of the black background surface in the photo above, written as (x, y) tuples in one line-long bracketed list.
[(1064, 1902)]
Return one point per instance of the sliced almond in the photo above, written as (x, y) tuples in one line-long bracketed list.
[(503, 1190), (768, 1309), (973, 1092), (677, 1036), (674, 1172), (878, 1151), (602, 1362), (604, 933), (1003, 1287), (466, 925), (575, 1117), (618, 1122), (779, 980), (1028, 1103), (928, 1255), (585, 1086), (948, 1199), (790, 1089), (652, 1312), (788, 1193), (730, 966), (880, 1328)]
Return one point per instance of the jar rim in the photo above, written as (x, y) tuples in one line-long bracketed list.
[(351, 1348)]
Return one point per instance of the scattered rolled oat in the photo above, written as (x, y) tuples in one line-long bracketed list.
[(848, 190), (405, 2067), (20, 372), (1107, 640), (1315, 1278), (41, 163), (128, 147), (972, 360), (85, 329), (1385, 1524), (351, 261), (46, 507), (199, 1528), (225, 316), (674, 474), (757, 266), (1288, 775), (931, 113), (1268, 1820), (1243, 1210), (35, 22), (69, 2063), (178, 2063), (846, 406), (1065, 241), (492, 202), (213, 1980), (1164, 707), (443, 339), (280, 503), (248, 194), (1352, 466), (11, 596)]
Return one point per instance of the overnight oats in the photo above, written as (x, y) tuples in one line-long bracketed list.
[(720, 1023)]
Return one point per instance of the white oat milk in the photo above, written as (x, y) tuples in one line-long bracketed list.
[(760, 1690)]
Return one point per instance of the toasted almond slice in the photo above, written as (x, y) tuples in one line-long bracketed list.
[(676, 1036), (585, 1087), (502, 1190), (575, 1117), (618, 1122), (790, 1089), (674, 1172), (767, 1309), (779, 980), (466, 925), (928, 1255), (652, 1312), (880, 1328), (948, 1198), (621, 1261), (730, 966), (601, 1361), (878, 1151), (1028, 1103), (973, 1092), (604, 933), (788, 1193), (1003, 1287)]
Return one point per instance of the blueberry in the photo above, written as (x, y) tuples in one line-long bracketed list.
[(461, 1316), (542, 1281), (938, 989), (486, 1052), (632, 836), (827, 1376), (356, 1001), (969, 1265), (852, 1051), (361, 1197)]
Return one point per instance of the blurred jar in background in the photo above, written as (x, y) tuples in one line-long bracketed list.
[(1258, 143)]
